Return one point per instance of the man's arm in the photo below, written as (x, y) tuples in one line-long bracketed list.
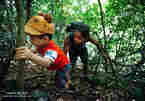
[(101, 49), (66, 45), (95, 42)]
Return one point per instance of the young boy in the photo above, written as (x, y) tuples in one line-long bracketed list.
[(40, 29), (75, 43)]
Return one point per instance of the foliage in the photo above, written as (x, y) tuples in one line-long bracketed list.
[(124, 22)]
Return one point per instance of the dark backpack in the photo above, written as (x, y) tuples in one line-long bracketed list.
[(79, 26)]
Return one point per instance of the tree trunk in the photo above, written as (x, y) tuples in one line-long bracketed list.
[(20, 38)]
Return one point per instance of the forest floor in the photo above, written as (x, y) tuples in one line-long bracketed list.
[(37, 78)]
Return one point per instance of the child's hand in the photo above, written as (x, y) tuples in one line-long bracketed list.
[(23, 53), (67, 85)]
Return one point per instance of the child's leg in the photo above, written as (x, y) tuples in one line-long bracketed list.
[(60, 81), (63, 77), (67, 71)]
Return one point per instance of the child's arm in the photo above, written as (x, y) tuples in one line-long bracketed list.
[(27, 54), (43, 61)]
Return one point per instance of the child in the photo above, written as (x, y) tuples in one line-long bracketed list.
[(40, 29)]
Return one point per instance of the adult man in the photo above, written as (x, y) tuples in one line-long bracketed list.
[(75, 43)]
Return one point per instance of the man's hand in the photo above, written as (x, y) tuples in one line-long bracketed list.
[(23, 53)]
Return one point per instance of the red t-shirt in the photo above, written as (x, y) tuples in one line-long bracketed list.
[(61, 60)]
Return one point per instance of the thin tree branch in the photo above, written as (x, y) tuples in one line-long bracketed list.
[(102, 21)]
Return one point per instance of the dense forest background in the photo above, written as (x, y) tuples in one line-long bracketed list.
[(117, 24)]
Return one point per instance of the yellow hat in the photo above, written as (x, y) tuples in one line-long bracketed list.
[(38, 25)]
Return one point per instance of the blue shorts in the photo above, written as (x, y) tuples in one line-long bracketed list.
[(62, 76)]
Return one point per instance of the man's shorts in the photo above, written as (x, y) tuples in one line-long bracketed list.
[(83, 53)]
